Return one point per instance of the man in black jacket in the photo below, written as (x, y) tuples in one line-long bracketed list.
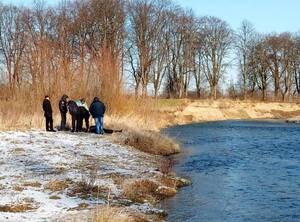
[(75, 114), (48, 114), (84, 115), (63, 108), (97, 110)]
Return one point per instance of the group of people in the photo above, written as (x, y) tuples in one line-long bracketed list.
[(78, 110)]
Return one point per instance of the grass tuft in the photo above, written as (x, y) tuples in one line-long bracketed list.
[(57, 185), (140, 191), (150, 142), (115, 214), (19, 207)]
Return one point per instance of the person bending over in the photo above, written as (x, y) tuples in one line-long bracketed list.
[(84, 114), (75, 114)]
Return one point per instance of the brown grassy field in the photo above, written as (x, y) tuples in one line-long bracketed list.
[(137, 117)]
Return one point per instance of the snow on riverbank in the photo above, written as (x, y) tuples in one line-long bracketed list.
[(30, 160)]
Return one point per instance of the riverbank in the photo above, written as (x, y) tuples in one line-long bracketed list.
[(64, 176), (181, 112), (77, 177)]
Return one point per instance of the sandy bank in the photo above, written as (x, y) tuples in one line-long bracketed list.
[(208, 110)]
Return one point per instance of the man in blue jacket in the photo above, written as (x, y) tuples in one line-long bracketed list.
[(97, 110)]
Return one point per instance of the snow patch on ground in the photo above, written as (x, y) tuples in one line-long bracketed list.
[(40, 157)]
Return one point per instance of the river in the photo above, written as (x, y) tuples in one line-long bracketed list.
[(241, 171)]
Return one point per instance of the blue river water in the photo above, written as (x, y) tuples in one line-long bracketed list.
[(241, 171)]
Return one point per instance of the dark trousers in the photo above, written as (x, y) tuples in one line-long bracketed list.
[(63, 121), (74, 123), (80, 123), (87, 123), (49, 123)]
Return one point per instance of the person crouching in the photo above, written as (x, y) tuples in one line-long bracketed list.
[(97, 110)]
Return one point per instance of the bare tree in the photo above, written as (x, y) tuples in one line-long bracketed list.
[(296, 64), (39, 23), (261, 68), (273, 46), (12, 43), (244, 40), (181, 49), (106, 43), (218, 40), (146, 18), (288, 56), (198, 59)]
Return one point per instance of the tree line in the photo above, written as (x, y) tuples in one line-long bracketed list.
[(156, 47)]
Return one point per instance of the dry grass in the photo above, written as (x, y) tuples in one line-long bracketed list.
[(141, 132), (25, 111), (149, 142), (140, 191), (166, 166), (115, 214), (18, 152), (166, 192), (57, 185), (145, 190), (19, 207), (86, 190), (32, 184), (18, 188), (135, 116), (174, 182)]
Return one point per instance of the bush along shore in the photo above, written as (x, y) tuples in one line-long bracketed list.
[(81, 177)]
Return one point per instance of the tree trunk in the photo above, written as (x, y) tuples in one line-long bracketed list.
[(214, 90), (264, 94), (198, 93)]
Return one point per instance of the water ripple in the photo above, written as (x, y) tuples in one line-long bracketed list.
[(241, 171)]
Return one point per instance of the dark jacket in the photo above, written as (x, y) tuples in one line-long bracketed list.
[(97, 108), (47, 108), (63, 106), (84, 113), (73, 108)]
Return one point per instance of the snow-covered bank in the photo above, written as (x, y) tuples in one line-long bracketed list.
[(31, 161)]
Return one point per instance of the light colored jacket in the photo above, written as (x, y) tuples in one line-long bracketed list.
[(80, 104)]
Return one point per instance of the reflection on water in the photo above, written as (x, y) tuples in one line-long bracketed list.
[(241, 171)]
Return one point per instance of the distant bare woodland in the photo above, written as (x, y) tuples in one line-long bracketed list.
[(95, 47)]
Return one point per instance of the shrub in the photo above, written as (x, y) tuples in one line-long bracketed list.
[(115, 214), (140, 191), (151, 142)]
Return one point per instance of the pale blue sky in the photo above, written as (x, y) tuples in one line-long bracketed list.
[(266, 15)]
